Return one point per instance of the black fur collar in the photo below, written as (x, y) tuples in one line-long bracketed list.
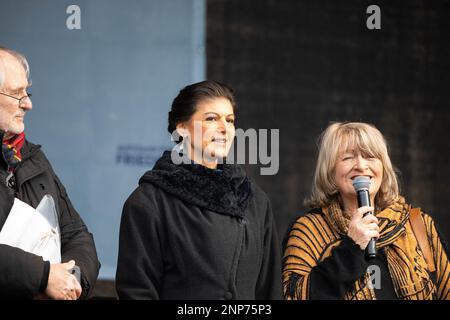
[(225, 191)]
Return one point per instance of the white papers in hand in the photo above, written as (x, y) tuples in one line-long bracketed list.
[(34, 230)]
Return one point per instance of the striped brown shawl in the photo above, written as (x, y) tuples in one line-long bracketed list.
[(313, 237)]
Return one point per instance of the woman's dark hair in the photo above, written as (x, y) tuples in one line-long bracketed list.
[(185, 103)]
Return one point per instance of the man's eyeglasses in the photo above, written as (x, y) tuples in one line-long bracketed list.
[(21, 100)]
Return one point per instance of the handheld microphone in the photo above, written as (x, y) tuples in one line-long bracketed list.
[(362, 185)]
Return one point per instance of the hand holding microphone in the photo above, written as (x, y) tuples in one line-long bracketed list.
[(363, 227)]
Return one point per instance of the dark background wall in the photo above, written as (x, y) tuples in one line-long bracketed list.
[(297, 65)]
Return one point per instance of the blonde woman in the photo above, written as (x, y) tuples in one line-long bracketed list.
[(324, 251)]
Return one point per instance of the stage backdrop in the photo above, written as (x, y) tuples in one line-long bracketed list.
[(104, 75), (297, 65)]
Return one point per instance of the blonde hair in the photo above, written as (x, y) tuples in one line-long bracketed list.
[(363, 137)]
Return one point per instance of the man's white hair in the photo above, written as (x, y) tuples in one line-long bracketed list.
[(20, 57)]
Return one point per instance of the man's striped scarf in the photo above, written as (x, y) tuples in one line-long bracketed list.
[(11, 151), (313, 237)]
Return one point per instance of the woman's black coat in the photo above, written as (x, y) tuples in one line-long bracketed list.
[(189, 232)]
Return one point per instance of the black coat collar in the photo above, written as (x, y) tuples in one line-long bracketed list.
[(225, 191)]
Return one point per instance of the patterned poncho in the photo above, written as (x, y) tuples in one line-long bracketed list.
[(313, 237)]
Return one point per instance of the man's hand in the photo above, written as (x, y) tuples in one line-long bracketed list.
[(62, 285)]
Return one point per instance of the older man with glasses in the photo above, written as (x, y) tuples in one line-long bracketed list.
[(26, 175)]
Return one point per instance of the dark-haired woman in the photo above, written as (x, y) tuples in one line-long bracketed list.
[(197, 228)]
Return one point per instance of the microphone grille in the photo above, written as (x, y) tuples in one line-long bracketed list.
[(361, 183)]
